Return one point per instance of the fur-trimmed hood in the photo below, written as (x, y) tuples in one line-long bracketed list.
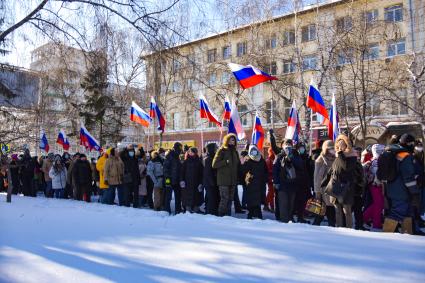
[(226, 140)]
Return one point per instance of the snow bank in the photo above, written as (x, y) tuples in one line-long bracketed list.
[(48, 240)]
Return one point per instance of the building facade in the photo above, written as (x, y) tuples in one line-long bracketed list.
[(364, 51)]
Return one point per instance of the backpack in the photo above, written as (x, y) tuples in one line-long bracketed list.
[(387, 166)]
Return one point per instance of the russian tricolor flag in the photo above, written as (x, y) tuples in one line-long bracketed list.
[(87, 140), (333, 128), (139, 116), (257, 133), (294, 126), (44, 144), (235, 125), (155, 112), (249, 76), (206, 112), (227, 109), (315, 102), (63, 140)]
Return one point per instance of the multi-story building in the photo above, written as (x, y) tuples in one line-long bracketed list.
[(361, 50)]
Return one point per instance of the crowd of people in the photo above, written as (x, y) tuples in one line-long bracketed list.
[(380, 188)]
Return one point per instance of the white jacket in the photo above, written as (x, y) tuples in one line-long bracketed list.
[(58, 178)]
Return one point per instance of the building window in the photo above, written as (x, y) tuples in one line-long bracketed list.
[(225, 78), (211, 55), (396, 48), (288, 67), (241, 48), (372, 52), (271, 43), (374, 106), (269, 112), (394, 13), (288, 37), (190, 120), (371, 17), (212, 79), (399, 107), (243, 110), (309, 63), (176, 121), (344, 24), (308, 33), (227, 52), (345, 57), (349, 103), (176, 65), (271, 68), (176, 87)]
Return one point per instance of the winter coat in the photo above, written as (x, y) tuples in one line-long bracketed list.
[(305, 172), (269, 164), (81, 173), (192, 176), (405, 184), (58, 178), (209, 176), (255, 176), (322, 166), (172, 167), (113, 172), (284, 164), (28, 167), (131, 167), (346, 169), (227, 163), (155, 171), (100, 167), (47, 165), (142, 173)]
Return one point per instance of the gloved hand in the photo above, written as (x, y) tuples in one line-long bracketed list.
[(200, 188), (168, 182), (182, 184)]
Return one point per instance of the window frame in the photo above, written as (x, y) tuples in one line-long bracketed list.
[(310, 35), (394, 10)]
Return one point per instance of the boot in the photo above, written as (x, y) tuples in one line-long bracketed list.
[(406, 226), (389, 225)]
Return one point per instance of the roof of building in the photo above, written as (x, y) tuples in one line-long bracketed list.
[(305, 9)]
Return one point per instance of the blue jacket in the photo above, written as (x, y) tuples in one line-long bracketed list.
[(405, 183)]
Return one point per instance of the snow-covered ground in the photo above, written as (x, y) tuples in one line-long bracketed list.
[(49, 240)]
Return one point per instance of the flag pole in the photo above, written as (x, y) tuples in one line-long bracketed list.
[(311, 132), (202, 136)]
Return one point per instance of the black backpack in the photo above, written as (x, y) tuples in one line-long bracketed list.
[(387, 166)]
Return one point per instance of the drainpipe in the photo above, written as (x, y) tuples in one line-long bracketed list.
[(412, 32)]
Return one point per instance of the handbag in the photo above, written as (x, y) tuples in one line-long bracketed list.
[(316, 206), (338, 189)]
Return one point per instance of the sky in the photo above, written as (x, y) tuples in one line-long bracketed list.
[(199, 17)]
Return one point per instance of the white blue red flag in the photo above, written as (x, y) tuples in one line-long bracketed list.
[(315, 102), (257, 133), (249, 76), (235, 125), (294, 126), (44, 144), (227, 109), (155, 112), (206, 112), (63, 140), (333, 128), (138, 115), (87, 140)]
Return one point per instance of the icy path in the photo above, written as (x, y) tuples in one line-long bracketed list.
[(47, 240)]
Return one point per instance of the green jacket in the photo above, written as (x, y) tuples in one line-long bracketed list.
[(227, 163)]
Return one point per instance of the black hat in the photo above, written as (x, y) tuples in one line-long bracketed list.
[(406, 138)]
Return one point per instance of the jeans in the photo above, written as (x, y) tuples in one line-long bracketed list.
[(122, 194), (58, 193), (48, 191), (177, 198), (108, 195)]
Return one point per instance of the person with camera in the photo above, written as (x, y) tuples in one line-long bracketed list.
[(58, 175)]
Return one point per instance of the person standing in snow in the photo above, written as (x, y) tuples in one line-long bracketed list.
[(143, 191), (269, 206), (172, 173), (47, 165), (374, 211), (305, 173), (255, 176), (70, 181), (322, 166), (155, 171), (210, 181), (227, 163), (344, 178), (100, 166), (191, 182), (58, 175), (81, 173), (27, 174), (113, 176), (131, 176)]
